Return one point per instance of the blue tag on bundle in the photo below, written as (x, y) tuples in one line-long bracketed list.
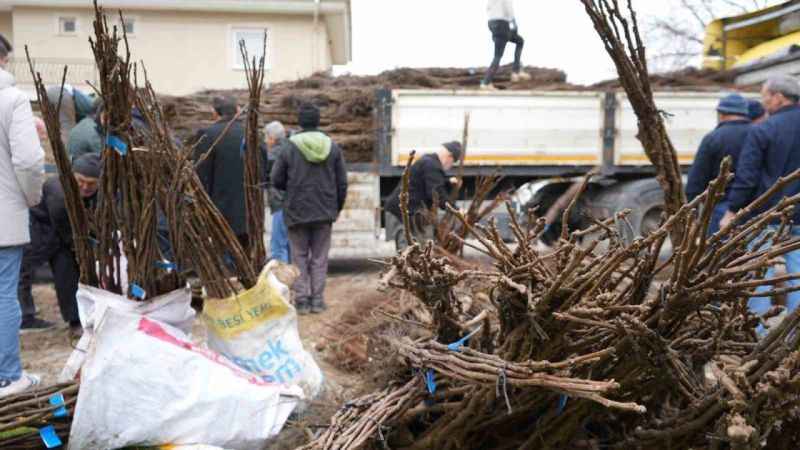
[(117, 144), (49, 437), (430, 381), (138, 292), (57, 400)]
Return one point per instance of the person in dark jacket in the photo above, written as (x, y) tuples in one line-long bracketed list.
[(87, 137), (312, 172), (726, 140), (275, 135), (428, 186), (51, 242), (756, 111), (772, 150), (75, 107), (222, 169)]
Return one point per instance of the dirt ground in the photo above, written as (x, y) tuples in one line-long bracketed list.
[(45, 352)]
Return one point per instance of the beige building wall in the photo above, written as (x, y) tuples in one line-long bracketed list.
[(6, 25), (185, 52)]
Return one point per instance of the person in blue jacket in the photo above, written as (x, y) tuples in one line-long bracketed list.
[(756, 111), (726, 140), (772, 150)]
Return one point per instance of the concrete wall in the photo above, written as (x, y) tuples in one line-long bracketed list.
[(185, 51)]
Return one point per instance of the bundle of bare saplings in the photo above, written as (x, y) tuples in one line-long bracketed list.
[(153, 225), (600, 342), (29, 418)]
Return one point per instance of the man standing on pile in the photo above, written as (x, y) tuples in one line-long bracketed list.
[(222, 168), (21, 178), (312, 172), (503, 26), (770, 152), (428, 185), (51, 241), (726, 140), (275, 135)]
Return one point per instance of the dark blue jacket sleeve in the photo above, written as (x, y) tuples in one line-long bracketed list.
[(205, 169), (340, 170), (745, 185), (703, 170)]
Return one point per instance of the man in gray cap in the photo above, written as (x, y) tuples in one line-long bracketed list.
[(428, 186), (726, 140), (771, 151), (51, 241)]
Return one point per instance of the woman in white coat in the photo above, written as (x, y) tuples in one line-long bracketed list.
[(21, 179)]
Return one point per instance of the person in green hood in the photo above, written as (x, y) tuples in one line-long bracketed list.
[(312, 173)]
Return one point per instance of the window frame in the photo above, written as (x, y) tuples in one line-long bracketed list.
[(130, 19), (233, 44), (61, 19)]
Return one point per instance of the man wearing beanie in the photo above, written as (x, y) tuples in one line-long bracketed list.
[(21, 177), (52, 242), (756, 112), (726, 140), (311, 170), (428, 186)]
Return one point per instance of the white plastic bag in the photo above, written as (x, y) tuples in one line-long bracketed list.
[(144, 384), (174, 309), (257, 330)]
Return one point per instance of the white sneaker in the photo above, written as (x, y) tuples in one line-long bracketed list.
[(488, 87), (520, 76), (25, 382)]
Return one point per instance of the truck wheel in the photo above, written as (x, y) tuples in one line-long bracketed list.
[(643, 197)]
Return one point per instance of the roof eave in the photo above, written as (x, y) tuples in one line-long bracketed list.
[(232, 6)]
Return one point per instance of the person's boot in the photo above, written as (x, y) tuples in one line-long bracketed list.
[(318, 306), (303, 307), (25, 382), (488, 87), (32, 323)]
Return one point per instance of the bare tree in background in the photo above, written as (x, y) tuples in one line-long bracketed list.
[(676, 41)]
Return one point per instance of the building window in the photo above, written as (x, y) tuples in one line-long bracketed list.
[(254, 42), (130, 26), (67, 25)]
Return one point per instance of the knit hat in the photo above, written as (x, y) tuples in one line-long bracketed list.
[(733, 104), (308, 116), (454, 147), (755, 109), (88, 165), (225, 106)]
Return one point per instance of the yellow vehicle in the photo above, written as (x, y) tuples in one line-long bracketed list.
[(756, 45)]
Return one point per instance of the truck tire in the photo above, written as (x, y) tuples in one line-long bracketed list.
[(644, 198)]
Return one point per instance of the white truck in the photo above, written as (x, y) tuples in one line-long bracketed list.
[(538, 141)]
